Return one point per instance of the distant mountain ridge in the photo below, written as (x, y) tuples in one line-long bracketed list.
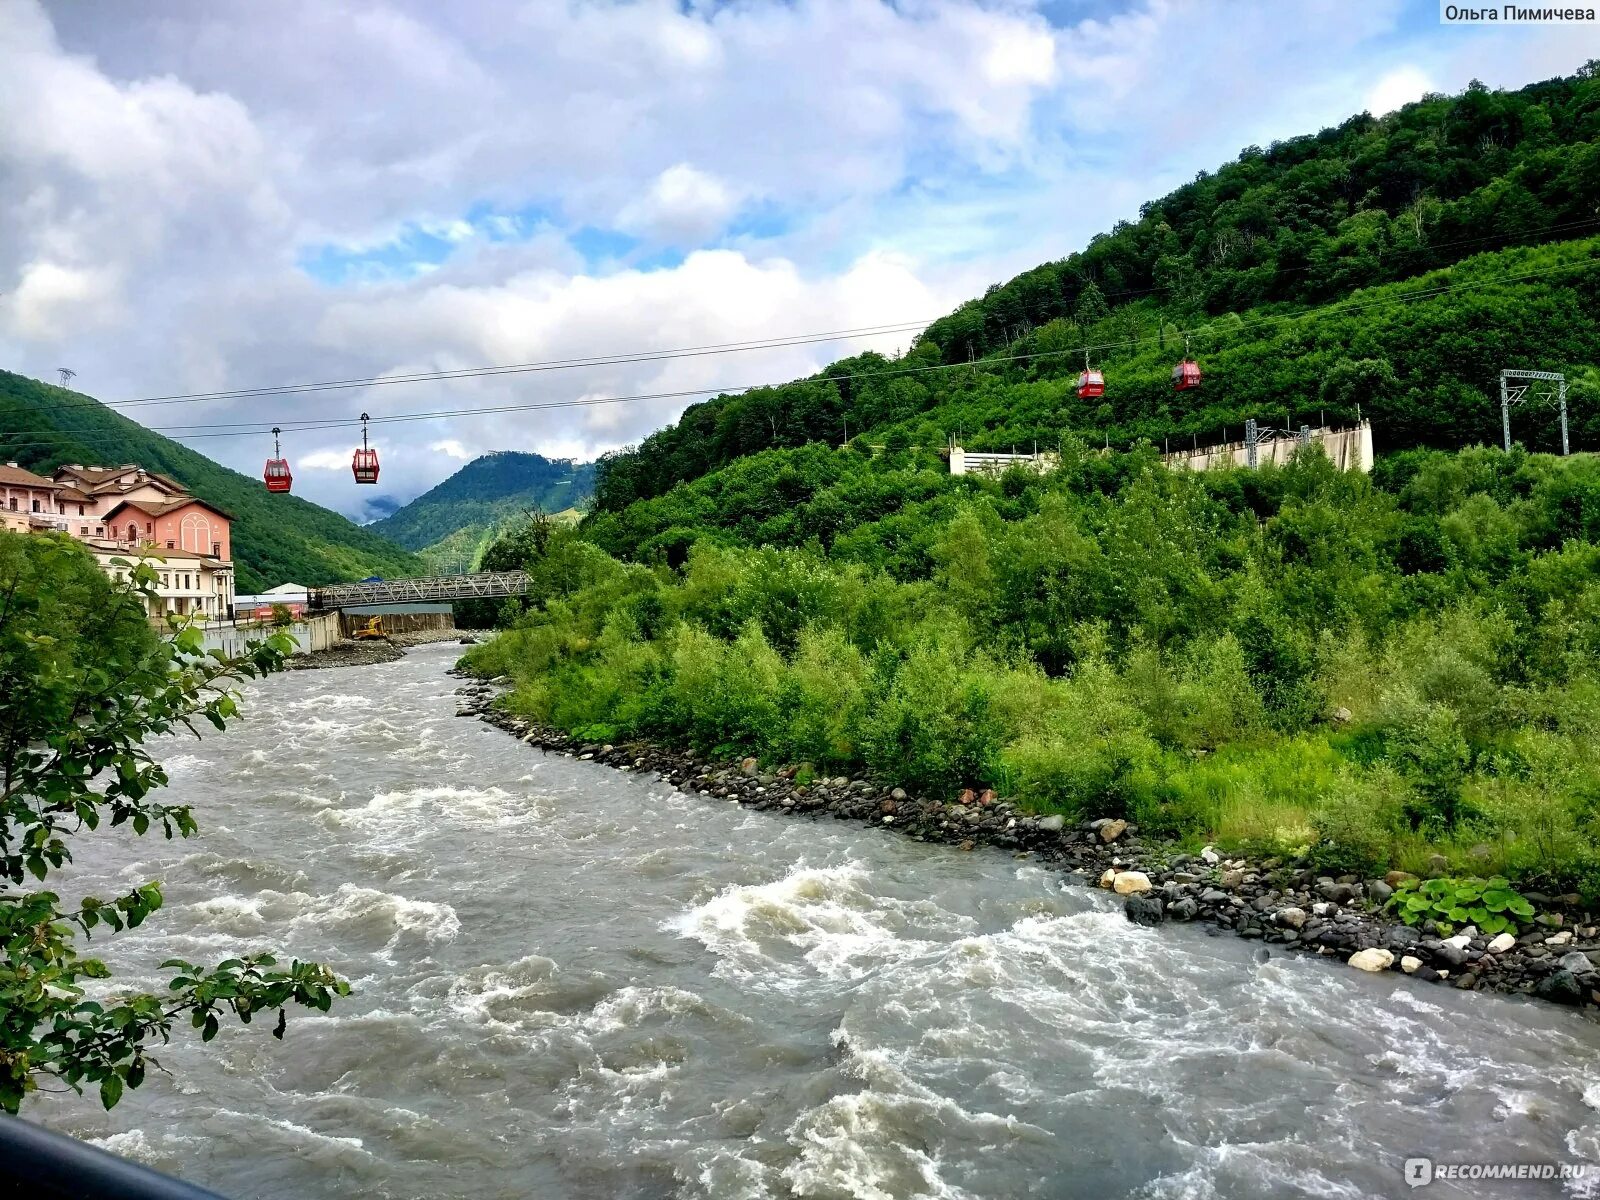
[(484, 492), (276, 539)]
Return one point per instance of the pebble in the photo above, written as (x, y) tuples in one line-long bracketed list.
[(1501, 943)]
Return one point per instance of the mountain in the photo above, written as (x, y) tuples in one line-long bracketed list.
[(276, 539), (1257, 263), (485, 491)]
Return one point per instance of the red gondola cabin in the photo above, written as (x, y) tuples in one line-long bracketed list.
[(365, 465), (1186, 375), (276, 476), (1091, 383)]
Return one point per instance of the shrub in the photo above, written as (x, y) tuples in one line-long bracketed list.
[(1357, 821)]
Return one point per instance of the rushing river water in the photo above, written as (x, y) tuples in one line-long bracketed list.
[(572, 982)]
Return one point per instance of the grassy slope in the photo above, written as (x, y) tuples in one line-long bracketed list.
[(276, 539), (484, 492)]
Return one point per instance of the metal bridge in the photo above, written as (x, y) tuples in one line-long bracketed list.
[(434, 589)]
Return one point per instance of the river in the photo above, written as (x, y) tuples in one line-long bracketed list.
[(574, 982)]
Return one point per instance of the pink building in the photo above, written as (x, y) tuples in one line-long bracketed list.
[(127, 513), (28, 502), (179, 524)]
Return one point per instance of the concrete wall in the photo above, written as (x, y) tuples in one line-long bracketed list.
[(971, 462), (312, 633), (350, 620), (1349, 450)]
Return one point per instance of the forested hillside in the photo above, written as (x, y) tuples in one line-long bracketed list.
[(276, 539), (484, 492), (1273, 265), (1353, 672)]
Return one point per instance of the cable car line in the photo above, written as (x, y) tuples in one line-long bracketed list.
[(561, 364), (256, 428), (776, 342)]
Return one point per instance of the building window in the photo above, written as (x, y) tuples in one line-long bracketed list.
[(84, 531), (80, 510), (36, 507), (170, 545), (13, 504), (216, 549)]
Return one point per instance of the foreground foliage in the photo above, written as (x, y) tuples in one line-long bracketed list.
[(84, 683), (1381, 669)]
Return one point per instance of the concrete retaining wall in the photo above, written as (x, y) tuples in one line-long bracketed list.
[(311, 633), (1349, 449), (402, 622)]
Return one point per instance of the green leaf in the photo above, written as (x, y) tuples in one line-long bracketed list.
[(110, 1091)]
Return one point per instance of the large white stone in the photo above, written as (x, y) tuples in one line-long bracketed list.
[(1410, 964), (1108, 878), (1293, 918), (1502, 942), (1131, 883), (1461, 941), (1375, 959)]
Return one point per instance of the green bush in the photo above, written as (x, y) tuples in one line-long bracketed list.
[(1490, 904)]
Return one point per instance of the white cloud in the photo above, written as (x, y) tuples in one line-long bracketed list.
[(162, 176), (683, 205), (1398, 88), (323, 460)]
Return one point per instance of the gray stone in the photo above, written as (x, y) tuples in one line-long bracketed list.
[(1379, 892), (1577, 962), (1143, 910), (1185, 909), (1336, 893), (1559, 987), (1052, 824), (1400, 937)]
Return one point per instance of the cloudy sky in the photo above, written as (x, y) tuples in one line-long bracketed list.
[(200, 196)]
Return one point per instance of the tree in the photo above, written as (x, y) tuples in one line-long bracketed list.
[(85, 683)]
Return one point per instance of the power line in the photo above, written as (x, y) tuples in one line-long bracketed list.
[(561, 364), (776, 342), (256, 428)]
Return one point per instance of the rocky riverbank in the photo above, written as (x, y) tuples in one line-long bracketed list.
[(349, 653), (1282, 903)]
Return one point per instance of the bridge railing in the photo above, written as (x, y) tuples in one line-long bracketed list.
[(485, 585)]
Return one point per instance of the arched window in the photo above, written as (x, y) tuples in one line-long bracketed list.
[(195, 533), (133, 532)]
